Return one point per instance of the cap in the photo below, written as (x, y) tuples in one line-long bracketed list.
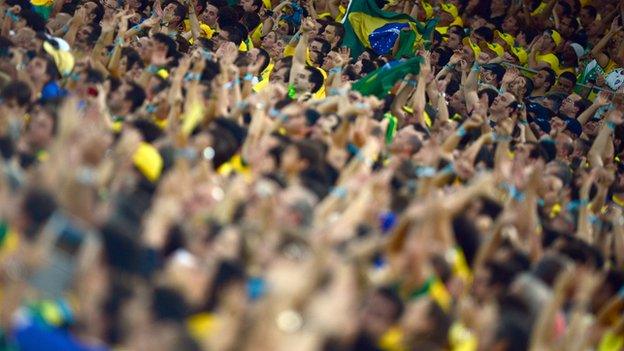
[(451, 9), (520, 53), (579, 50), (148, 161), (497, 48), (550, 59), (556, 37), (428, 9), (475, 48), (63, 59), (507, 38)]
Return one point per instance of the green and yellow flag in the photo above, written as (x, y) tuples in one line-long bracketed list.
[(364, 18), (380, 81)]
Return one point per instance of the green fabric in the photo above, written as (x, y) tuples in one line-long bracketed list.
[(392, 127), (407, 39), (368, 7), (4, 231), (292, 92), (43, 11), (380, 81)]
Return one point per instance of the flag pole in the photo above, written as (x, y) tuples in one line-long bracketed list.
[(347, 12)]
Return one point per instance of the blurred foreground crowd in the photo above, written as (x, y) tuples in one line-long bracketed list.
[(393, 175)]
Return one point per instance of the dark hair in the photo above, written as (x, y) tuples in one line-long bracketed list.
[(132, 57), (529, 86), (497, 69), (17, 90), (51, 69), (235, 34), (33, 20), (592, 10), (136, 95), (38, 205), (567, 9), (514, 333), (121, 251), (251, 20), (149, 131), (172, 48), (444, 55), (94, 76), (325, 45), (491, 94), (582, 105), (551, 77), (227, 16), (316, 78), (486, 33), (390, 295), (266, 57), (228, 272), (96, 30), (169, 305), (98, 11), (180, 10), (569, 76), (368, 66), (548, 268), (467, 237), (339, 28)]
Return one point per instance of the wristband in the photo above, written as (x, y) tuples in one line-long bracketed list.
[(476, 66), (499, 137), (449, 66), (425, 172), (461, 131), (192, 76), (230, 85), (611, 125), (248, 77), (13, 16), (152, 69), (411, 82), (186, 153), (119, 41), (207, 55), (150, 108), (336, 70), (242, 104), (339, 192)]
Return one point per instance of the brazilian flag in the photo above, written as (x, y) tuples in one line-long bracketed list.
[(380, 81), (368, 26), (42, 7)]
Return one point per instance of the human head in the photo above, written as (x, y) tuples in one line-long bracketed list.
[(209, 15), (173, 12), (568, 105), (565, 83), (587, 15), (333, 33), (308, 80), (125, 97), (251, 5), (544, 79), (382, 309), (503, 104)]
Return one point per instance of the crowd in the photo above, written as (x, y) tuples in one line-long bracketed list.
[(388, 175)]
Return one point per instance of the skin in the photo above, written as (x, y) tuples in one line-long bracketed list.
[(313, 203)]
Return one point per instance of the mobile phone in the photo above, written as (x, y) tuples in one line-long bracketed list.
[(68, 244)]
